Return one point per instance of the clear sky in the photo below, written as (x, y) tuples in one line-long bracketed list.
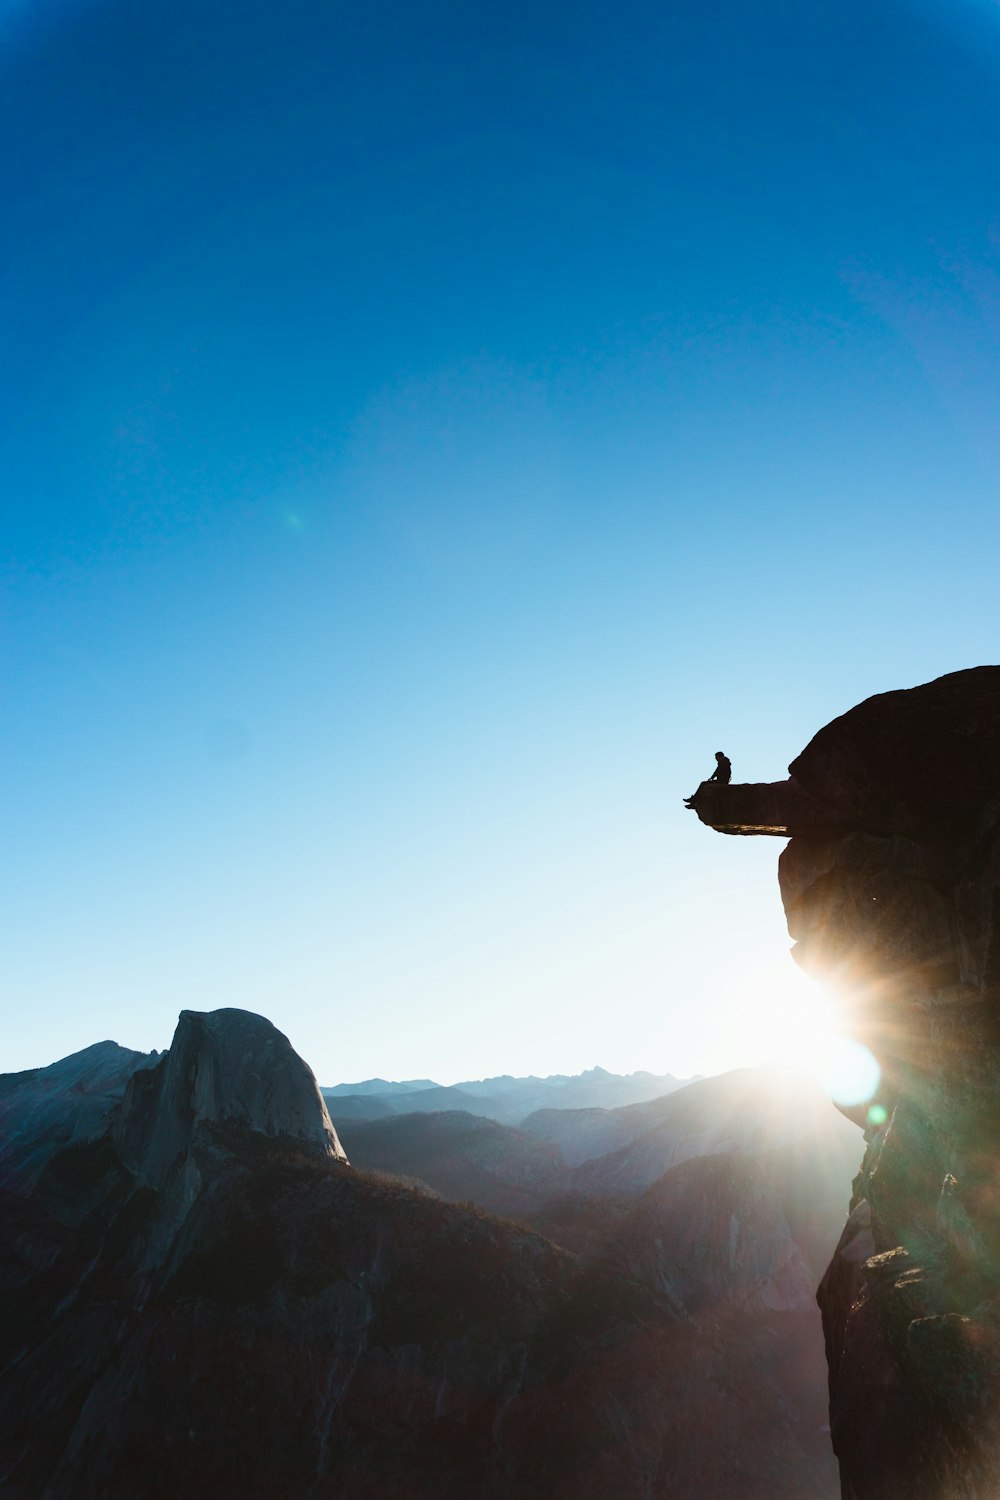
[(429, 433)]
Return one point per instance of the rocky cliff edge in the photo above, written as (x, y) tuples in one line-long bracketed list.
[(891, 886)]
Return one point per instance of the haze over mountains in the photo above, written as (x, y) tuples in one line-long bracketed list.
[(203, 1292), (605, 1152), (507, 1099)]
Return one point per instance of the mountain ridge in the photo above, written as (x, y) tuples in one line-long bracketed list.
[(201, 1287), (505, 1098)]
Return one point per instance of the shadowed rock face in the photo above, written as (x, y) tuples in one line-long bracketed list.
[(913, 761), (897, 899), (778, 808)]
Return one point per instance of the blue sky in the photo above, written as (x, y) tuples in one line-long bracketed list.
[(431, 432)]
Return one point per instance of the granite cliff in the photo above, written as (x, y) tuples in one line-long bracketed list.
[(891, 885)]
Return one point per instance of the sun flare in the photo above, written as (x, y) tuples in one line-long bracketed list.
[(795, 1022)]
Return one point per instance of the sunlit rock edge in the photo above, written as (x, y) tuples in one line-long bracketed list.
[(891, 887)]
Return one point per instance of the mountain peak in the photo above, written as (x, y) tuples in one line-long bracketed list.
[(224, 1066)]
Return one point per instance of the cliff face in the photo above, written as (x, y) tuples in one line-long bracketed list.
[(223, 1067), (892, 891)]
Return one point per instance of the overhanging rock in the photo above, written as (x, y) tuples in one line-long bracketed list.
[(778, 808), (891, 887)]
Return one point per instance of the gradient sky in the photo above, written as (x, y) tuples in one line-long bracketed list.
[(429, 433)]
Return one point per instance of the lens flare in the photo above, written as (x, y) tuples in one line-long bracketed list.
[(848, 1072)]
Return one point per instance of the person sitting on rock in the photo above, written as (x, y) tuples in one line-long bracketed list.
[(722, 776)]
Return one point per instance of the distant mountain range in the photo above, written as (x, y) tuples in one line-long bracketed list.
[(203, 1296), (507, 1099), (614, 1155)]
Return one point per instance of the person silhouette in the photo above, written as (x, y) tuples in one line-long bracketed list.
[(722, 776)]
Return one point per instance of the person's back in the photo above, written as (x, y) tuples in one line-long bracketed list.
[(723, 772)]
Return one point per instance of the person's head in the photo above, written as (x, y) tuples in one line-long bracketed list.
[(719, 755)]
